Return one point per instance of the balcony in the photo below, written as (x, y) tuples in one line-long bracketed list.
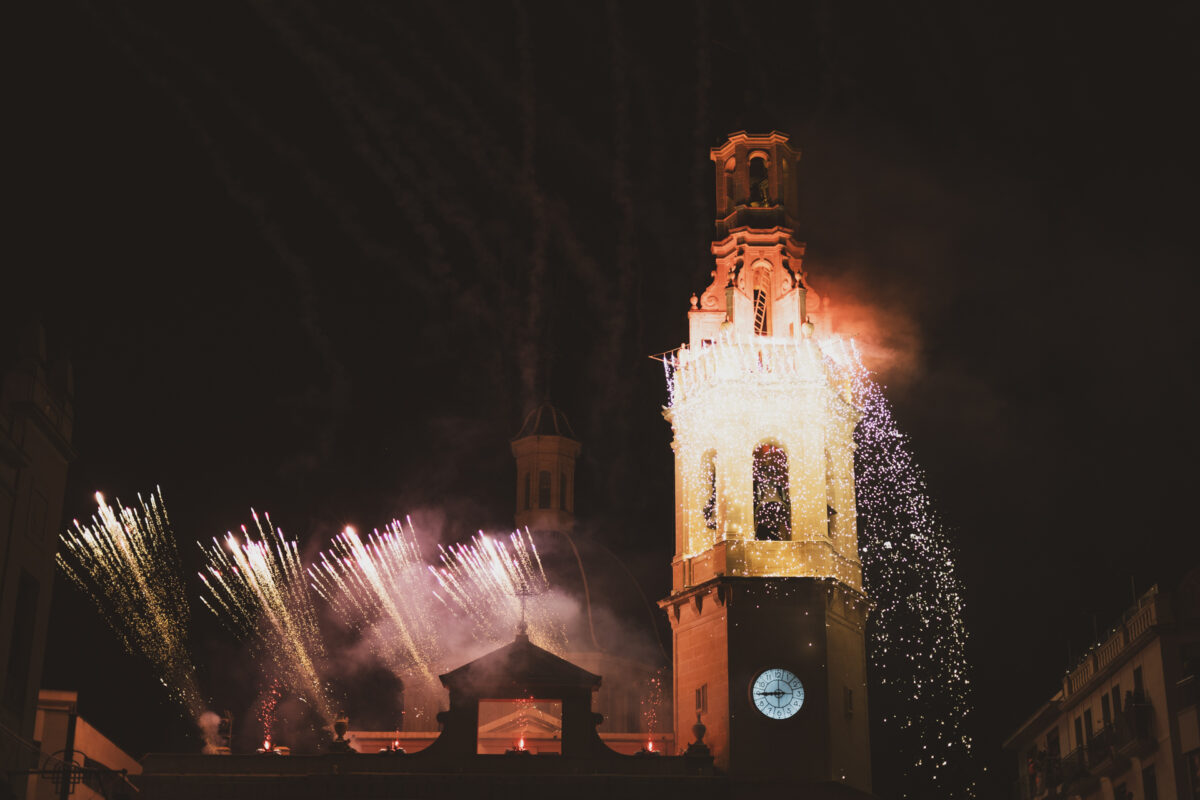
[(1077, 776), (1135, 729), (1104, 757), (1137, 622)]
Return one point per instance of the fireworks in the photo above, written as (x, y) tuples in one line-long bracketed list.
[(918, 636), (416, 615), (490, 583), (486, 583), (383, 581), (259, 588), (127, 562)]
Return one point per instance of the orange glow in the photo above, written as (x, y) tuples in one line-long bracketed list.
[(650, 745), (521, 743)]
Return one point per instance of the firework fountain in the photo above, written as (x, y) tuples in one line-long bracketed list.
[(382, 586), (258, 586), (126, 561)]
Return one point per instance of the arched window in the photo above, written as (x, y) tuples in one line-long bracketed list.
[(708, 477), (730, 190), (544, 489), (831, 513), (772, 507), (760, 186), (527, 488), (562, 490)]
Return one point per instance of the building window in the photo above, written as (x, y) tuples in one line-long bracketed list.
[(708, 471), (702, 699), (1105, 711), (1138, 688), (1149, 784), (1078, 733), (527, 487), (562, 490), (1087, 725), (848, 697), (772, 507), (544, 489), (20, 652), (730, 190), (1116, 699), (1052, 748), (760, 186)]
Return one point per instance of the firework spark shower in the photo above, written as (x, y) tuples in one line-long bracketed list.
[(126, 561), (918, 642), (259, 586)]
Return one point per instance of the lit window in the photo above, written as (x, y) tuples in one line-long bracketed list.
[(772, 507)]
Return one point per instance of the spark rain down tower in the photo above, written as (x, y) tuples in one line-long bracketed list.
[(766, 606)]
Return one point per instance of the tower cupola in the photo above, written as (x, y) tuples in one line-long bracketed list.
[(546, 449)]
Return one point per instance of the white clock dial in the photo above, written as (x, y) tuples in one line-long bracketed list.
[(777, 693)]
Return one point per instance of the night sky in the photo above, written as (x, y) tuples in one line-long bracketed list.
[(320, 261)]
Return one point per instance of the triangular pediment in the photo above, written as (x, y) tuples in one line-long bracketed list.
[(516, 670), (528, 722)]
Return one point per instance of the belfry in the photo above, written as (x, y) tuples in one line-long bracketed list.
[(766, 606)]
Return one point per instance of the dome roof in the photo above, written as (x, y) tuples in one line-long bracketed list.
[(610, 610), (546, 420)]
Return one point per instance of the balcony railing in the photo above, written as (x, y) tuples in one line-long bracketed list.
[(1106, 754), (1136, 621)]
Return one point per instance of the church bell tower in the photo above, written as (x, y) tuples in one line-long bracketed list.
[(766, 607)]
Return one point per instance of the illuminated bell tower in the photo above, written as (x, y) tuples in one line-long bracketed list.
[(766, 606)]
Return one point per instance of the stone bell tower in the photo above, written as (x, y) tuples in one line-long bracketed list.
[(546, 449), (766, 606)]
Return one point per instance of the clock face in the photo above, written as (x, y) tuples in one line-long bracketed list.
[(777, 693)]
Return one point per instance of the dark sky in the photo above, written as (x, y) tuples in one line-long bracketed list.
[(319, 260)]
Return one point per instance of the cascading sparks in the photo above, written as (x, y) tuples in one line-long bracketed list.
[(382, 586), (382, 581), (491, 583), (922, 685), (126, 561), (259, 588)]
